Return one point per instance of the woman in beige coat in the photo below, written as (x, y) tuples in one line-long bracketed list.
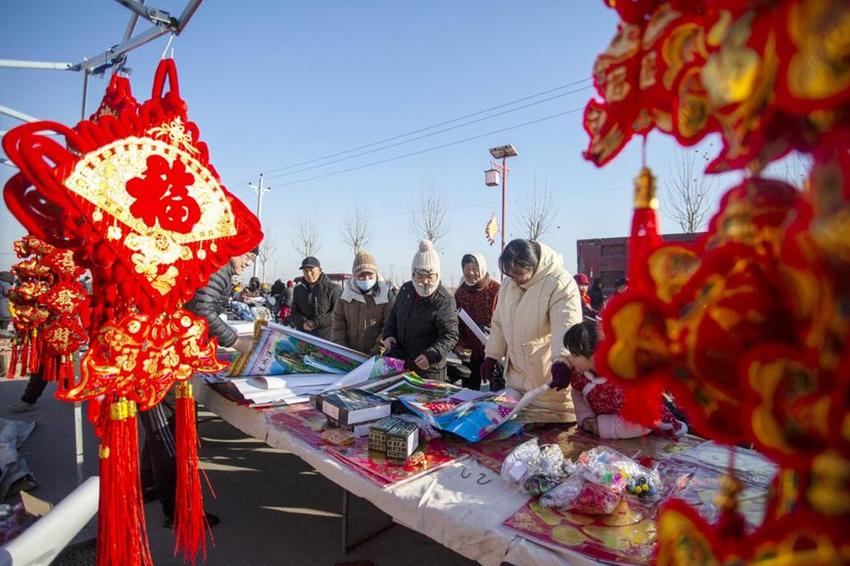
[(537, 304)]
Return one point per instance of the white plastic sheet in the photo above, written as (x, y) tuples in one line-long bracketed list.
[(461, 506), (45, 539)]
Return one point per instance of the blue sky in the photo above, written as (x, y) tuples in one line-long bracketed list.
[(271, 84)]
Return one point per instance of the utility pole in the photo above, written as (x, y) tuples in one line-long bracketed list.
[(260, 188)]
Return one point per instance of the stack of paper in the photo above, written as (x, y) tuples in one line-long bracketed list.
[(280, 390)]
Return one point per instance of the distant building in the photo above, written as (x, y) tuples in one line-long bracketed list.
[(607, 258)]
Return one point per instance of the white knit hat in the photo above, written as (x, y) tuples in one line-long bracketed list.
[(426, 260)]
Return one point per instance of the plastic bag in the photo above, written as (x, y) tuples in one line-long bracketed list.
[(605, 466), (564, 494), (523, 459), (537, 470), (581, 496), (595, 499), (538, 484)]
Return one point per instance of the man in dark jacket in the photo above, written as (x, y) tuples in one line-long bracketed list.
[(422, 328), (314, 300), (158, 464)]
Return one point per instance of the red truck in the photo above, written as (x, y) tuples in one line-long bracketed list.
[(606, 258)]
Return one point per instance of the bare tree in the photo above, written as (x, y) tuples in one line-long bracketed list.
[(305, 239), (357, 230), (536, 215), (688, 199), (267, 250), (430, 222)]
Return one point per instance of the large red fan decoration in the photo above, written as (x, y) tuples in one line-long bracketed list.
[(133, 194), (750, 326)]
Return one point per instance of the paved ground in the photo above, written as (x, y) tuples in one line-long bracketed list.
[(275, 509)]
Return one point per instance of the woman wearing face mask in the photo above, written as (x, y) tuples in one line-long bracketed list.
[(422, 327), (363, 308), (538, 303), (477, 296)]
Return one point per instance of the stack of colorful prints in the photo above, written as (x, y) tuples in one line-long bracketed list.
[(377, 468), (302, 421), (352, 406), (280, 350), (414, 387), (374, 370), (472, 415)]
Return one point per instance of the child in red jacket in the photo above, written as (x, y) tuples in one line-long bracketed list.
[(597, 401)]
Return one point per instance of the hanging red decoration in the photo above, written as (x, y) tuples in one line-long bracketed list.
[(133, 196), (749, 327)]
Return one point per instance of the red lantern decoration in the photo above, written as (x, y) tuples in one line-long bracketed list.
[(134, 197)]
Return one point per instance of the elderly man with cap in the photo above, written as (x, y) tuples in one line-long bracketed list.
[(422, 327), (363, 308), (313, 300)]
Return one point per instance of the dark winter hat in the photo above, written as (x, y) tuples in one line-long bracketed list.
[(622, 281), (582, 279), (309, 262)]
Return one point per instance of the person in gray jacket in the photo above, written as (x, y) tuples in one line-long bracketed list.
[(212, 300), (6, 282)]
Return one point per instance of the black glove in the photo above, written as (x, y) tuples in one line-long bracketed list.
[(561, 376), (488, 366)]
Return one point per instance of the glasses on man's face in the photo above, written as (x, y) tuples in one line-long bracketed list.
[(425, 277)]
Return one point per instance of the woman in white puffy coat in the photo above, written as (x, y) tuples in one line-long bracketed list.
[(537, 304)]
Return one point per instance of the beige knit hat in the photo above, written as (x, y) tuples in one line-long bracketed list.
[(426, 260), (364, 261)]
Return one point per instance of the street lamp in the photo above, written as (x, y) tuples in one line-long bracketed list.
[(499, 172)]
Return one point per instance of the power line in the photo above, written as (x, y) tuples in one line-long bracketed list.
[(418, 130), (557, 196), (417, 138), (434, 148)]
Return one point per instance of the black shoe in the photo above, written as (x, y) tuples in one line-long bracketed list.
[(212, 521)]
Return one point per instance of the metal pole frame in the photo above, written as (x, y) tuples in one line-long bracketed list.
[(504, 191), (260, 188), (116, 55), (163, 23)]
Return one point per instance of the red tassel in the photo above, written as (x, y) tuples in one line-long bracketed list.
[(25, 358), (35, 354), (189, 519), (643, 404), (13, 362), (48, 369), (121, 535), (66, 373)]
